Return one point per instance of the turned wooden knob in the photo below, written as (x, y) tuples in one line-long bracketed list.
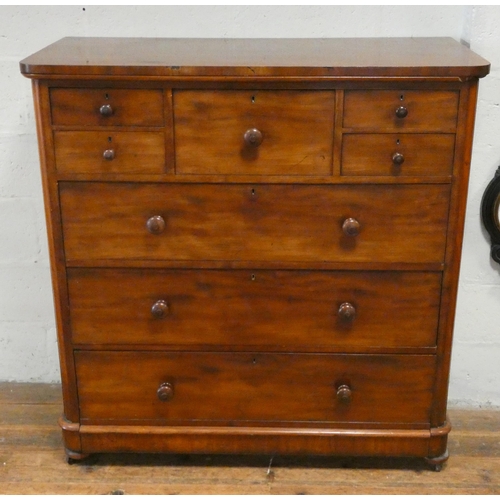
[(106, 110), (156, 224), (398, 158), (253, 137), (347, 311), (344, 393), (401, 112), (108, 154), (351, 227), (159, 309), (165, 392)]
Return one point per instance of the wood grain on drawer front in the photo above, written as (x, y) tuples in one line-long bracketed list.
[(110, 152), (254, 308), (81, 107), (398, 223), (380, 154), (434, 111), (239, 387), (296, 128)]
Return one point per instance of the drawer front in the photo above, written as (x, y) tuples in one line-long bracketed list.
[(295, 127), (434, 111), (246, 387), (398, 155), (307, 309), (84, 107), (110, 152), (262, 223)]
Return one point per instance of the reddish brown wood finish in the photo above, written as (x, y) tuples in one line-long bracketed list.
[(426, 111), (299, 440), (255, 242), (458, 200), (57, 261), (253, 387), (269, 309), (132, 152), (295, 128), (263, 223), (81, 107), (194, 58), (420, 154)]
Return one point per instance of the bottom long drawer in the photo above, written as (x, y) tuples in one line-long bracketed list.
[(232, 388)]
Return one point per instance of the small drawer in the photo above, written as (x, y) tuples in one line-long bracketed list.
[(106, 107), (254, 132), (263, 223), (231, 388), (398, 155), (392, 110), (305, 310), (110, 152)]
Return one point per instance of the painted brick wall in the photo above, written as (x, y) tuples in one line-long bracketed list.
[(475, 371), (27, 332)]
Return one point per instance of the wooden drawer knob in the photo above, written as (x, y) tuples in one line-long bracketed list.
[(165, 392), (351, 227), (344, 393), (347, 311), (106, 110), (253, 137), (155, 224), (401, 112), (109, 154), (398, 158), (159, 309)]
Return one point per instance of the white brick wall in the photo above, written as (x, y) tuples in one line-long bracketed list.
[(475, 371), (27, 332)]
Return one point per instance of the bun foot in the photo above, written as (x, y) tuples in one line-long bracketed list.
[(436, 463), (74, 457)]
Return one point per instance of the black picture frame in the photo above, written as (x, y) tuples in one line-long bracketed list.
[(490, 206)]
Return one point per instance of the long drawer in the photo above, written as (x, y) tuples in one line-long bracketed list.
[(280, 223), (245, 387), (279, 309)]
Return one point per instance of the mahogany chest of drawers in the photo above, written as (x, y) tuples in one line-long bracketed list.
[(255, 244)]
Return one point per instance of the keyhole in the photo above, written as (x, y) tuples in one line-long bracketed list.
[(397, 142), (253, 192), (109, 139), (106, 96), (252, 277), (401, 97), (254, 361), (253, 99)]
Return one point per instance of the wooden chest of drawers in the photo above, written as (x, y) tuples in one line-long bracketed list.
[(255, 244)]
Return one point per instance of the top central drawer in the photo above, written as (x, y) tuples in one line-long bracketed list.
[(254, 132)]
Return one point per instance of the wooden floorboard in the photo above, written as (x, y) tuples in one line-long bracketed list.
[(32, 461)]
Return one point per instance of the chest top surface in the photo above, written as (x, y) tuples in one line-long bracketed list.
[(305, 57)]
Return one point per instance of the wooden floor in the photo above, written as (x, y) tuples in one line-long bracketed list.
[(32, 461)]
